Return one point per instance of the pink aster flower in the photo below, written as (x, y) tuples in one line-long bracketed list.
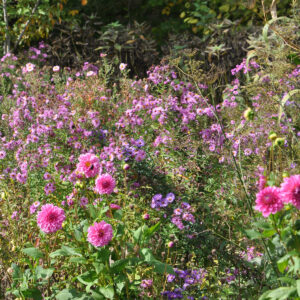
[(88, 164), (105, 184), (115, 206), (100, 234), (50, 218), (268, 201), (291, 190)]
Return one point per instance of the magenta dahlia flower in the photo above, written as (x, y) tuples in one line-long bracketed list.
[(105, 184), (291, 190), (50, 218), (269, 201), (88, 164), (100, 234)]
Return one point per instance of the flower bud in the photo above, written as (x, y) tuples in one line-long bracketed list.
[(279, 142), (170, 244), (146, 216), (285, 175), (126, 167), (272, 136), (248, 114)]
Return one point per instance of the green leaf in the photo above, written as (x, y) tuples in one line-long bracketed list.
[(78, 235), (72, 294), (16, 274), (42, 273), (224, 8), (119, 265), (282, 293), (78, 260), (283, 263), (298, 286), (97, 296), (137, 234), (34, 293), (92, 211), (148, 256), (152, 230), (268, 233), (33, 252), (65, 251), (108, 292), (161, 267), (252, 234), (264, 295), (88, 277)]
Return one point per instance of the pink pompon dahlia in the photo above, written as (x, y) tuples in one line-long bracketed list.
[(291, 190), (100, 234), (105, 184), (269, 201), (88, 164), (50, 218)]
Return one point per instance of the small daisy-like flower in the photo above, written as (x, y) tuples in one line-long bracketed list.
[(269, 201), (84, 201), (170, 197), (115, 206), (105, 184), (30, 67), (50, 218), (291, 190), (248, 151), (2, 154), (56, 69), (90, 73), (122, 66), (100, 234)]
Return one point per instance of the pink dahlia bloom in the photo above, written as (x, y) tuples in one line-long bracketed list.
[(105, 184), (88, 164), (268, 201), (50, 218), (100, 234), (291, 190)]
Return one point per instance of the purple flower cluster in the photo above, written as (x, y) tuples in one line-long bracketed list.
[(188, 279), (158, 201), (183, 213)]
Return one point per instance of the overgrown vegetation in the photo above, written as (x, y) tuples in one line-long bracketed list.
[(182, 183)]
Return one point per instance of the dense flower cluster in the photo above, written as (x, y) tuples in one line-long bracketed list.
[(158, 201), (183, 213), (190, 278)]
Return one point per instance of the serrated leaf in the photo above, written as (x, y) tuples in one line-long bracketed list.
[(119, 265), (79, 260), (65, 251), (42, 273), (33, 252)]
